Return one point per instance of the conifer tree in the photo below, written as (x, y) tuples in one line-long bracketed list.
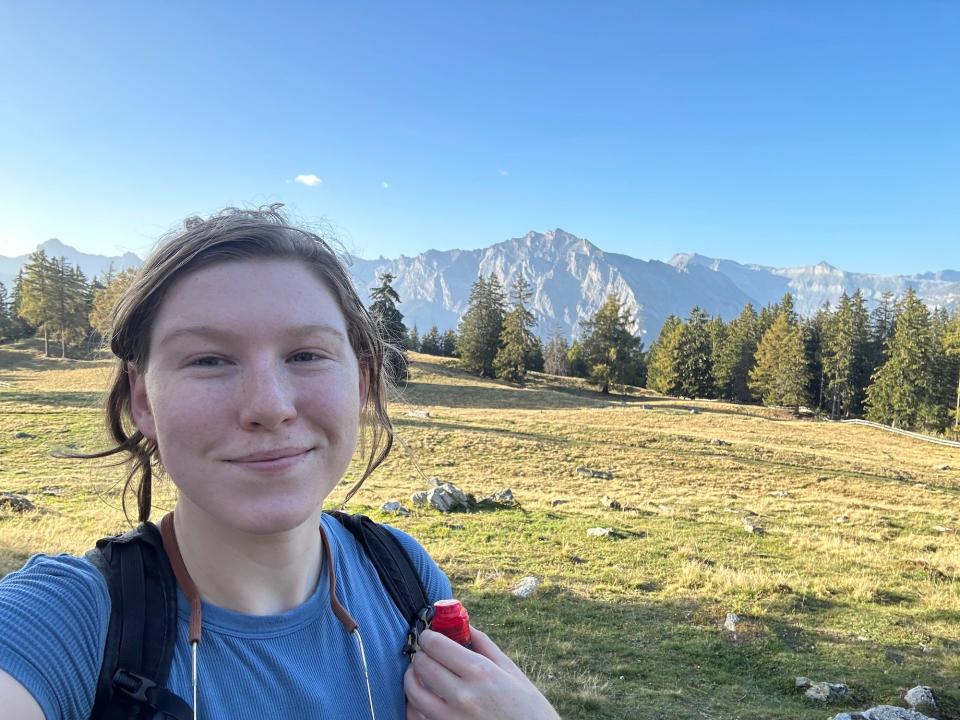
[(478, 340), (951, 346), (663, 357), (906, 392), (430, 343), (846, 356), (736, 356), (518, 344), (780, 376), (694, 365), (104, 299), (384, 307), (555, 360), (882, 320), (611, 353), (21, 328), (448, 344), (412, 340), (815, 331), (6, 320), (70, 309), (36, 297)]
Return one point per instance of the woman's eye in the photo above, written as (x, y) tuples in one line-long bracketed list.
[(208, 361), (305, 356)]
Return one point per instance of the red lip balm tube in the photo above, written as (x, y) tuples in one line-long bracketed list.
[(450, 618)]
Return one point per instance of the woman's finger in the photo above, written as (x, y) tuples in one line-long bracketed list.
[(482, 644), (452, 655), (420, 699)]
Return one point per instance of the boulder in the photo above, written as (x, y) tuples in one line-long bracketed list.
[(719, 443), (558, 501), (447, 498), (882, 712), (599, 532), (825, 691), (419, 499), (394, 507), (590, 472), (504, 497), (922, 699), (526, 586), (23, 436), (17, 503), (610, 503), (730, 623)]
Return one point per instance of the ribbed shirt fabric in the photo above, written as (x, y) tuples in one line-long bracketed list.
[(300, 664)]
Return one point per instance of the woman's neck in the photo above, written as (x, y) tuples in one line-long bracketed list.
[(248, 573)]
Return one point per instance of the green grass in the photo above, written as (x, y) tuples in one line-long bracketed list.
[(851, 581)]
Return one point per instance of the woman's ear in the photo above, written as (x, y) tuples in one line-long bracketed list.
[(140, 403)]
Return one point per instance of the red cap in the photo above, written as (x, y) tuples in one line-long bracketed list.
[(450, 618)]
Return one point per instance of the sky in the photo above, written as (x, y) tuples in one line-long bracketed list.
[(765, 132)]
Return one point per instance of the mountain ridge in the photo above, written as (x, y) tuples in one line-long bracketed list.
[(570, 277)]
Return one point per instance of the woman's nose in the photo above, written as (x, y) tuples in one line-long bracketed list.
[(266, 396)]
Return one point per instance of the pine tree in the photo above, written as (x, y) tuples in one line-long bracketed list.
[(21, 328), (663, 357), (736, 356), (906, 392), (611, 353), (479, 338), (412, 340), (694, 364), (36, 298), (815, 331), (105, 299), (846, 356), (6, 320), (448, 344), (780, 376), (555, 360), (518, 344), (882, 320), (384, 307), (70, 296), (430, 343)]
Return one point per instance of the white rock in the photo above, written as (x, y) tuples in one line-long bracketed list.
[(825, 692), (448, 497), (526, 586), (731, 622), (922, 699), (419, 498), (599, 532), (394, 507)]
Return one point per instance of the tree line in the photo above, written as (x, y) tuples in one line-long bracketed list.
[(898, 365), (52, 299)]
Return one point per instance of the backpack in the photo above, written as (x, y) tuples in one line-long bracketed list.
[(143, 616)]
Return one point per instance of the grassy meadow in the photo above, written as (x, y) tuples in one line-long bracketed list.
[(853, 580)]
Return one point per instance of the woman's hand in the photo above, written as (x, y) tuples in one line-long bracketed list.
[(447, 681)]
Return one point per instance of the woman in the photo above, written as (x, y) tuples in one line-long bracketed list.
[(248, 367)]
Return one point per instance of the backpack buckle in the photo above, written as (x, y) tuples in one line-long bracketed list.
[(424, 616), (136, 686)]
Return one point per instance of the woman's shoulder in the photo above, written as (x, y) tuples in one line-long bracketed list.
[(54, 614), (435, 581)]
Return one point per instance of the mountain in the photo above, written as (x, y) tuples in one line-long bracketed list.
[(92, 265), (570, 277)]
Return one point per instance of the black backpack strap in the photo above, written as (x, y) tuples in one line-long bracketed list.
[(142, 629), (396, 570)]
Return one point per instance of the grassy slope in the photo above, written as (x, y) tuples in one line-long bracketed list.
[(850, 582)]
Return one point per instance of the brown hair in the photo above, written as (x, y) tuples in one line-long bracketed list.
[(235, 234)]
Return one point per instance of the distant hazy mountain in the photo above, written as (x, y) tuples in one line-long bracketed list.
[(92, 265), (570, 278)]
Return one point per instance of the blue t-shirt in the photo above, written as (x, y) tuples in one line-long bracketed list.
[(302, 663)]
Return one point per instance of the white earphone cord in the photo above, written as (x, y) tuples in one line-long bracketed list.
[(366, 673)]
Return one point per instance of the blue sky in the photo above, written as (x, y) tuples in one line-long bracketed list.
[(770, 132)]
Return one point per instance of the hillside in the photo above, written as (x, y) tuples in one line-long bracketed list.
[(853, 580)]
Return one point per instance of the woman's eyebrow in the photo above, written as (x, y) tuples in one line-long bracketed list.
[(210, 332)]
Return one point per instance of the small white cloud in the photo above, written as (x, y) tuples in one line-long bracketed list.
[(504, 172), (310, 180), (385, 185)]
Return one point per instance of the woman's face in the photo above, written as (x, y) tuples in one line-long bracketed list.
[(252, 393)]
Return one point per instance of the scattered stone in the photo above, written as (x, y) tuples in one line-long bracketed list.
[(504, 497), (599, 532), (23, 436), (803, 683), (942, 529), (694, 411), (417, 413), (394, 507), (526, 586), (751, 527), (447, 498), (646, 407), (602, 474), (730, 624), (419, 499), (610, 503), (779, 493), (17, 503), (922, 699), (883, 712), (926, 649), (54, 490), (444, 463), (825, 691), (718, 442), (941, 467), (558, 501), (434, 482), (842, 519)]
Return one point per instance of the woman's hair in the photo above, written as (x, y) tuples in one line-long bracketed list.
[(235, 234)]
